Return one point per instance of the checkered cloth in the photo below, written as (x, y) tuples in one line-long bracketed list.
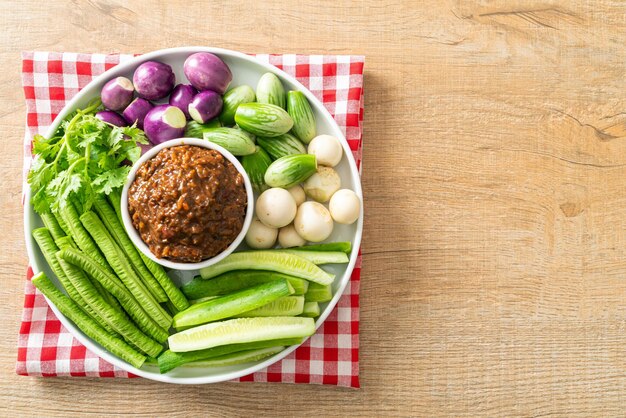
[(46, 348)]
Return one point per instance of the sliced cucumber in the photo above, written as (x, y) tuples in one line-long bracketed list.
[(241, 357), (241, 330), (345, 246), (231, 305), (318, 293), (285, 306), (169, 360), (311, 310), (269, 260), (320, 257), (235, 280)]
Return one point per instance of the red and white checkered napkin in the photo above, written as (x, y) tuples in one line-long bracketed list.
[(46, 348)]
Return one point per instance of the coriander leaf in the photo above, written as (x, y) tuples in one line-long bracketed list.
[(44, 147), (112, 179)]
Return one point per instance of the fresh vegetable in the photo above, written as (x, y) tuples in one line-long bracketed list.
[(263, 119), (236, 280), (300, 111), (164, 122), (169, 360), (271, 260), (288, 237), (321, 257), (182, 96), (260, 236), (235, 141), (136, 112), (153, 80), (197, 130), (322, 184), (297, 192), (90, 327), (241, 330), (111, 118), (206, 71), (311, 310), (318, 293), (50, 222), (285, 306), (281, 145), (174, 294), (256, 165), (275, 207), (232, 99), (205, 106), (290, 170), (327, 149), (270, 90), (241, 357), (344, 206), (231, 305), (313, 222), (117, 93), (345, 246)]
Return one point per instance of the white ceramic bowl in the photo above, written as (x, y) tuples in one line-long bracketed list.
[(246, 70), (136, 238)]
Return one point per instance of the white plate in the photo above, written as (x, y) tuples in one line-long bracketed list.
[(246, 70)]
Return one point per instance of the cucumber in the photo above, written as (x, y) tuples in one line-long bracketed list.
[(232, 99), (169, 360), (320, 257), (345, 246), (279, 146), (90, 327), (270, 90), (318, 293), (231, 305), (263, 119), (236, 280), (311, 310), (196, 301), (269, 260), (290, 170), (197, 130), (235, 141), (300, 111), (256, 165), (241, 357), (241, 330), (285, 306)]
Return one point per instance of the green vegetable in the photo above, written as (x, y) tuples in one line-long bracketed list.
[(241, 357), (290, 170), (115, 198), (236, 280), (197, 130), (169, 360), (91, 328), (320, 257), (269, 260), (345, 246), (318, 293), (50, 222), (311, 310), (123, 269), (263, 119), (241, 330), (232, 99), (270, 90), (282, 145), (116, 319), (231, 305), (285, 306), (174, 294), (300, 111), (196, 301), (255, 165), (64, 242), (232, 139), (115, 228), (113, 284)]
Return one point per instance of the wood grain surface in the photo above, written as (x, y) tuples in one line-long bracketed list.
[(494, 280)]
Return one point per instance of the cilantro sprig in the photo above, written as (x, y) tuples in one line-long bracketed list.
[(83, 158)]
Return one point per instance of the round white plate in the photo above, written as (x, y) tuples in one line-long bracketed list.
[(246, 70)]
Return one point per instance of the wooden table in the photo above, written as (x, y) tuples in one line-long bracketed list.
[(494, 278)]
